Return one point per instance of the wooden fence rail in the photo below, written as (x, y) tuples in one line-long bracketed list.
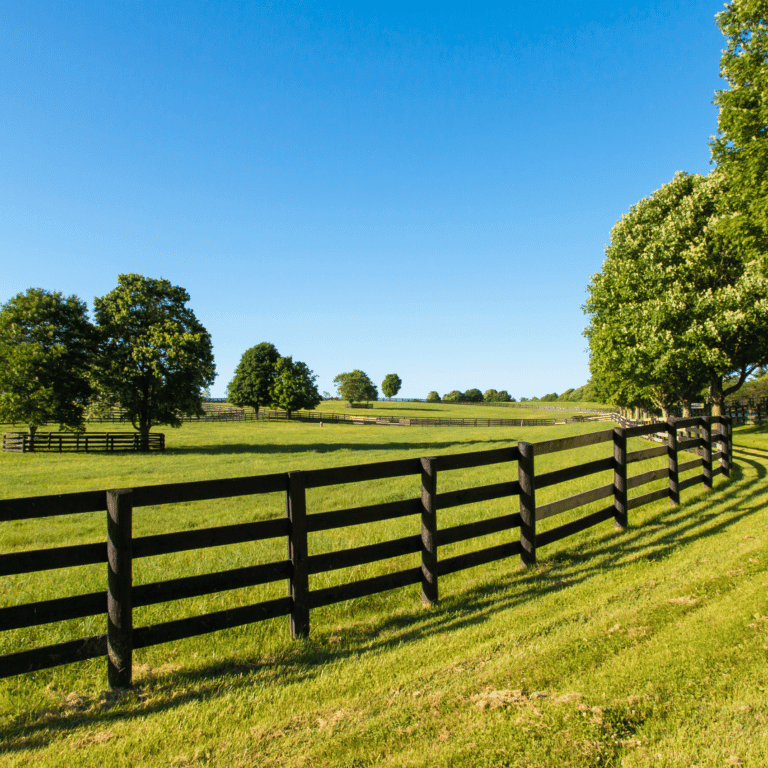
[(87, 442), (121, 548)]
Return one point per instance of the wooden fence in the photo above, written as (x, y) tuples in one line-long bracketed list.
[(121, 548), (88, 442)]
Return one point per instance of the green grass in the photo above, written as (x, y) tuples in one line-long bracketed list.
[(644, 647)]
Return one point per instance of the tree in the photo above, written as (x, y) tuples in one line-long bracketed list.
[(46, 348), (254, 377), (503, 396), (454, 396), (391, 385), (677, 305), (356, 387), (156, 357), (294, 387), (473, 396), (741, 146), (490, 396), (433, 397)]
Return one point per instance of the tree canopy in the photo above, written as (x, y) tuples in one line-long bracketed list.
[(294, 387), (356, 387), (46, 346), (677, 306), (433, 397), (254, 377), (156, 357), (391, 385), (473, 396), (454, 396), (741, 147)]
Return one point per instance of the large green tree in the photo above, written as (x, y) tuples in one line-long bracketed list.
[(678, 305), (391, 385), (294, 387), (740, 148), (156, 357), (46, 347), (254, 377), (356, 387)]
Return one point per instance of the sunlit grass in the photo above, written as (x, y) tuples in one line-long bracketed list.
[(618, 646)]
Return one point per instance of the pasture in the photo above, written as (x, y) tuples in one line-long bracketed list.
[(615, 649)]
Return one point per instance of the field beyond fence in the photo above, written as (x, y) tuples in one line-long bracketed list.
[(297, 528)]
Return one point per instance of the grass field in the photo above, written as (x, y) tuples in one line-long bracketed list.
[(644, 647)]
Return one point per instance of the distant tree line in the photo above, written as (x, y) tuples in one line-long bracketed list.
[(146, 352)]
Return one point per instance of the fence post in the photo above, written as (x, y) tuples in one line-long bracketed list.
[(429, 593), (674, 489), (526, 478), (706, 423), (119, 587), (620, 477), (296, 510), (725, 444)]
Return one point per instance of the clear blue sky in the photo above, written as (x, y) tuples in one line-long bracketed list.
[(420, 188)]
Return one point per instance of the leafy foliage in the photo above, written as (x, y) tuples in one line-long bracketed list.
[(454, 396), (677, 305), (46, 345), (391, 385), (254, 377), (741, 146), (433, 397), (156, 356), (356, 387), (473, 396), (294, 387)]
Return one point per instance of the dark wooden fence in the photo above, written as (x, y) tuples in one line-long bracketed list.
[(88, 442), (121, 547), (747, 412)]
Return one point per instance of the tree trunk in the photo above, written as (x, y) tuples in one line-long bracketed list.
[(686, 409), (32, 430), (716, 396)]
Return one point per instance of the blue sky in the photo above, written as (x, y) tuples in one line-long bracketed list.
[(422, 188)]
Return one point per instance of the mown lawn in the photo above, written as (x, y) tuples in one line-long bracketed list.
[(644, 647)]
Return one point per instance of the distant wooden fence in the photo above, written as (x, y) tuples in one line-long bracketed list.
[(753, 412), (121, 548), (88, 442)]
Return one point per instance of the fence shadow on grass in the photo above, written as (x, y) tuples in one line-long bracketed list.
[(427, 448), (561, 569)]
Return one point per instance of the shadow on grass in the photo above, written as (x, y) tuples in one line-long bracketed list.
[(235, 448), (703, 515)]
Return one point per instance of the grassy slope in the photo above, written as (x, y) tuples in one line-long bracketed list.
[(637, 648)]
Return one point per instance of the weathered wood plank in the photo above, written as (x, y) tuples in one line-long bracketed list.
[(210, 583), (53, 655), (577, 441), (342, 518), (204, 490), (480, 493), (648, 477), (646, 429), (317, 478), (571, 502), (52, 558), (363, 587), (154, 634), (369, 553), (692, 464), (49, 611), (689, 482), (467, 531), (479, 557), (572, 473), (476, 458), (180, 541), (647, 498), (562, 531), (50, 506), (647, 453)]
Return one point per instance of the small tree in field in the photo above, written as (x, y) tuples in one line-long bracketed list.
[(356, 387), (391, 385), (503, 397), (454, 396), (294, 387), (490, 396), (433, 397), (254, 377), (46, 347), (156, 356), (473, 396)]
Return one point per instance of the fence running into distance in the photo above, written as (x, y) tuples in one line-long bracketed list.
[(87, 442), (297, 527)]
